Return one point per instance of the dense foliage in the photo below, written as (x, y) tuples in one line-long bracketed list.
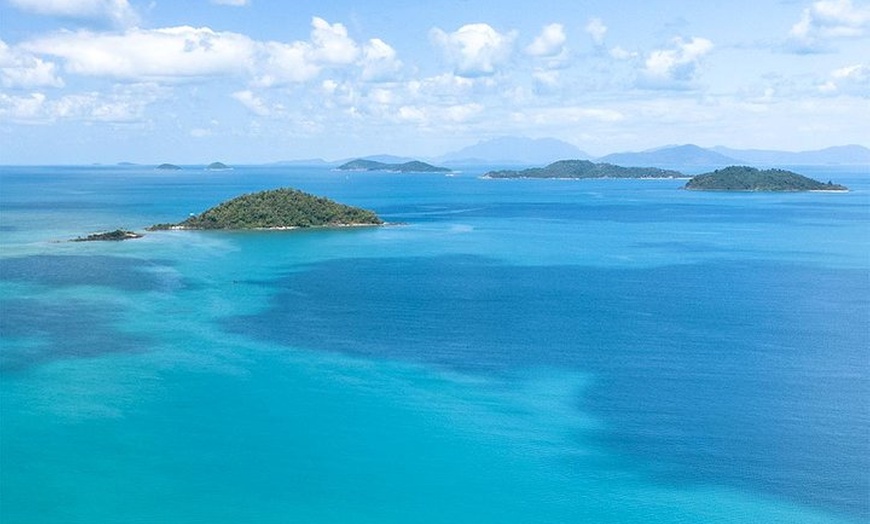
[(414, 166), (744, 178), (277, 208), (585, 169), (116, 235)]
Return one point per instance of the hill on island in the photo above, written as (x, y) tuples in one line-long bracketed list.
[(217, 166), (584, 169), (744, 178), (283, 208), (414, 166), (168, 167)]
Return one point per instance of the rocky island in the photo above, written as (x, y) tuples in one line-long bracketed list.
[(414, 166), (584, 169), (217, 166), (745, 178), (168, 167), (113, 236), (283, 208)]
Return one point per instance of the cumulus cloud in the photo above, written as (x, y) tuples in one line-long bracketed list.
[(475, 50), (854, 79), (252, 102), (118, 12), (826, 20), (23, 70), (551, 42), (170, 53), (330, 43), (22, 108), (379, 62), (597, 30), (549, 47), (329, 47), (675, 66), (123, 104)]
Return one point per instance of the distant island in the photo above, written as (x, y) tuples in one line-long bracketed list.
[(744, 178), (283, 208), (217, 166), (116, 235), (414, 166), (168, 167), (585, 169)]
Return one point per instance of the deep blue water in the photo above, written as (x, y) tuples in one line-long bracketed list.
[(506, 351)]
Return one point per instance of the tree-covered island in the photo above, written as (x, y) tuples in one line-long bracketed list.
[(283, 208), (745, 178), (414, 166), (112, 236), (585, 169)]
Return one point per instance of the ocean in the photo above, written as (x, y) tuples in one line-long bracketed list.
[(529, 351)]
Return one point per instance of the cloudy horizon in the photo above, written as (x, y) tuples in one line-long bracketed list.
[(251, 81)]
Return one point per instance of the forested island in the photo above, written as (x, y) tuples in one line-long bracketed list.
[(168, 167), (283, 208), (217, 166), (116, 235), (745, 178), (414, 166), (585, 169)]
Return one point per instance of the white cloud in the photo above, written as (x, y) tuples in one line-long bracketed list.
[(678, 65), (234, 3), (475, 50), (597, 30), (379, 62), (551, 42), (619, 53), (286, 63), (170, 53), (123, 104), (252, 102), (826, 20), (23, 70), (329, 46), (118, 12), (854, 79), (549, 47), (330, 43), (22, 108)]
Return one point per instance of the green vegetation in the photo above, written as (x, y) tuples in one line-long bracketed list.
[(744, 178), (116, 235), (414, 166), (585, 169), (276, 209), (168, 167)]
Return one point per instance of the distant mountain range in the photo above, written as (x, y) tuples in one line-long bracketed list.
[(511, 150), (526, 151), (519, 151), (849, 155), (694, 156)]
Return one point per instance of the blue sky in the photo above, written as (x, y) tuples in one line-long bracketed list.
[(248, 81)]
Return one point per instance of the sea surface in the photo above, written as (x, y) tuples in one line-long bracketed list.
[(505, 351)]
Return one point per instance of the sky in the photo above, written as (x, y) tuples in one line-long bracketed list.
[(252, 81)]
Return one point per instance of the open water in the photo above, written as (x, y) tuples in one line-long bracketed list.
[(508, 351)]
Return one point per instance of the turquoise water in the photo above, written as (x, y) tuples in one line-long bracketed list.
[(507, 351)]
